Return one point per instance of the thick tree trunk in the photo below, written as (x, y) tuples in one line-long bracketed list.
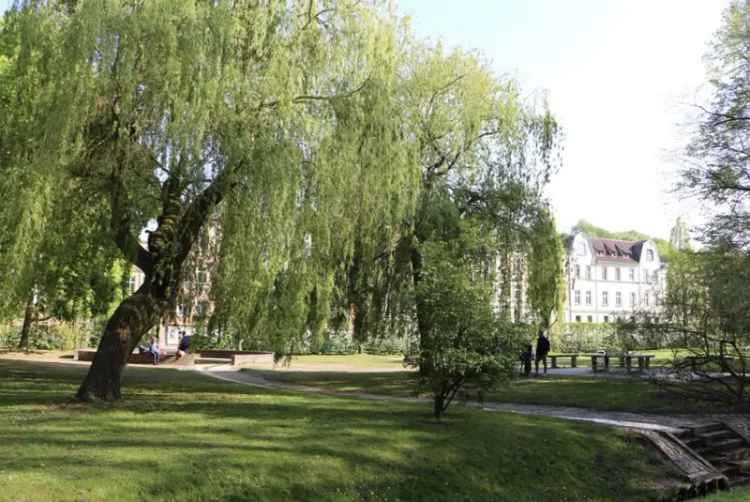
[(130, 321), (28, 319)]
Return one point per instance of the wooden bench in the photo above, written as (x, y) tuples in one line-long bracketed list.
[(573, 360), (625, 361)]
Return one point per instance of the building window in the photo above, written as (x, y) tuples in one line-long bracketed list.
[(588, 297), (590, 319), (588, 272), (632, 299), (605, 298), (617, 274), (606, 318), (618, 299), (578, 318), (632, 275), (650, 255), (578, 271), (604, 273), (578, 297), (646, 277), (646, 298)]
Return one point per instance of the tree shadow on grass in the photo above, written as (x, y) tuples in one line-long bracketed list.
[(184, 437)]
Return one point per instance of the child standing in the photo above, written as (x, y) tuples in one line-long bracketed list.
[(526, 358)]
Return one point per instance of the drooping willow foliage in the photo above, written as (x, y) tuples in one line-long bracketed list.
[(299, 136)]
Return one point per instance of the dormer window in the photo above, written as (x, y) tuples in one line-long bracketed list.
[(650, 255)]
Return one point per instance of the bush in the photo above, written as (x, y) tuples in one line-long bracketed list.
[(9, 336), (465, 344)]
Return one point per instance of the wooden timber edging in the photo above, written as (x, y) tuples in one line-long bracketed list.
[(697, 470), (238, 357), (133, 358), (742, 430)]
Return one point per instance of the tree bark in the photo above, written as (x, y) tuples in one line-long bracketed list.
[(28, 320), (131, 320)]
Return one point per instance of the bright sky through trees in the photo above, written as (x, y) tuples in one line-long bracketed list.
[(618, 72)]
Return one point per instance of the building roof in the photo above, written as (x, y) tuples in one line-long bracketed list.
[(617, 250)]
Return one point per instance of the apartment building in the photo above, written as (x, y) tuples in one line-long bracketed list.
[(610, 280)]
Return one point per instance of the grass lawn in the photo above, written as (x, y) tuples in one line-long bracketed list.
[(611, 394), (359, 360), (182, 436)]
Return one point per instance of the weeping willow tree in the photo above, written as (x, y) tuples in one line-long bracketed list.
[(490, 148), (276, 122), (475, 136)]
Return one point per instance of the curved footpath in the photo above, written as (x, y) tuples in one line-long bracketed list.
[(609, 418)]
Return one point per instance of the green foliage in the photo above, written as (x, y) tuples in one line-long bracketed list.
[(56, 336), (716, 158), (706, 312), (465, 343), (290, 113), (546, 291), (586, 337)]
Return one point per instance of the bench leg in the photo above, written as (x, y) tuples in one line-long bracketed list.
[(553, 361), (573, 361), (606, 363)]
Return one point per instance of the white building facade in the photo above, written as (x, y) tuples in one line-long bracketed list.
[(610, 280)]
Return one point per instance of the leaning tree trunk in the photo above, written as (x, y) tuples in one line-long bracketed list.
[(28, 319), (131, 320)]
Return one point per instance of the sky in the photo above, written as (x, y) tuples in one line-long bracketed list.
[(620, 76)]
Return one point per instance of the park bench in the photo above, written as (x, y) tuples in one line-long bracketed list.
[(573, 360), (625, 361)]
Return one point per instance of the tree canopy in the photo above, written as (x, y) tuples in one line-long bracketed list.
[(299, 137)]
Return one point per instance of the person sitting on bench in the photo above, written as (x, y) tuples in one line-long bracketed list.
[(153, 348), (184, 345)]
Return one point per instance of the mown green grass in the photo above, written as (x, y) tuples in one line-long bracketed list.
[(359, 360), (607, 394), (182, 436), (741, 494)]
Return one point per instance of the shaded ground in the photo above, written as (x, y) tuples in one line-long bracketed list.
[(181, 436)]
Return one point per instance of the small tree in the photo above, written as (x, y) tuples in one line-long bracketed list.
[(466, 345)]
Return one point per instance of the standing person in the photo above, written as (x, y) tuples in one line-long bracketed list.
[(183, 346), (542, 349), (526, 360), (153, 348)]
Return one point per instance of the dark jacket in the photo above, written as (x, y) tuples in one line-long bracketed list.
[(542, 346)]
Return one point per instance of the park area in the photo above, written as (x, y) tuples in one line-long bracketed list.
[(339, 250), (184, 435)]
